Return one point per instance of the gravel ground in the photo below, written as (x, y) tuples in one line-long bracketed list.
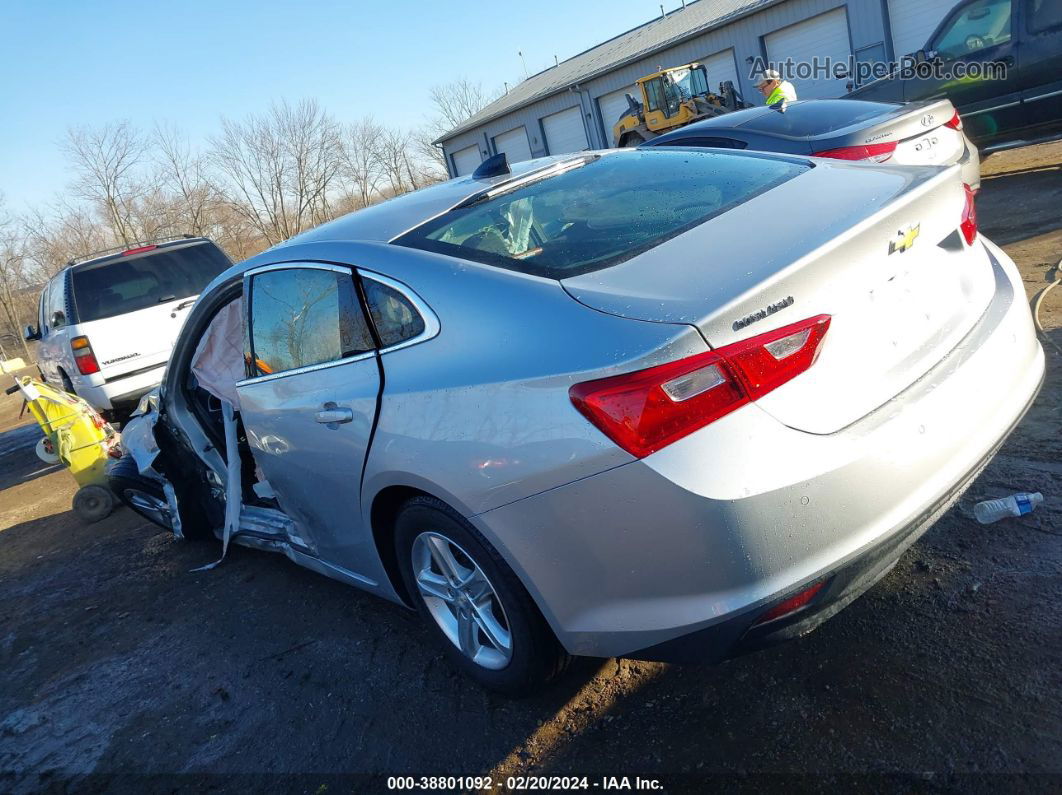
[(124, 670)]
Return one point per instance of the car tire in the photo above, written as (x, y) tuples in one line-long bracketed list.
[(147, 498), (534, 656), (631, 140)]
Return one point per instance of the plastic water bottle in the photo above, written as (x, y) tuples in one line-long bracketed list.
[(1015, 505)]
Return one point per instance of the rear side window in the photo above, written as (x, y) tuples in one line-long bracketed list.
[(596, 215), (129, 284), (815, 118), (396, 319), (302, 316)]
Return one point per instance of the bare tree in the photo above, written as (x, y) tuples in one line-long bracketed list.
[(361, 169), (392, 151), (277, 168), (14, 279), (70, 231), (107, 160), (183, 174), (458, 101)]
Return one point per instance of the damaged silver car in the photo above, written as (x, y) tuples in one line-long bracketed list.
[(586, 407)]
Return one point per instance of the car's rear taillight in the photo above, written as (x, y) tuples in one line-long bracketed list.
[(83, 356), (955, 122), (647, 410), (968, 225), (877, 153)]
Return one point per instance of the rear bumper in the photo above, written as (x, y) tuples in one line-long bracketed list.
[(686, 548), (120, 391), (844, 584)]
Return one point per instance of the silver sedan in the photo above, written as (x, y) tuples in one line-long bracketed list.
[(666, 404)]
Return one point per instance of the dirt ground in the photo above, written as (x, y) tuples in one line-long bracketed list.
[(124, 670)]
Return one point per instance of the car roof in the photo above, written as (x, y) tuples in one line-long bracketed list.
[(387, 220)]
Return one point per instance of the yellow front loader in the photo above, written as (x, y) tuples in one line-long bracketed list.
[(669, 99)]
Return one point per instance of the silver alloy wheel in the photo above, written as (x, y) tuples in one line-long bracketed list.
[(149, 505), (462, 600)]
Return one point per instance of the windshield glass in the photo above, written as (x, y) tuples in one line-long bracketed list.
[(607, 211), (119, 286)]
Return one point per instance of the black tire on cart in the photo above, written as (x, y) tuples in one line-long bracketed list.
[(93, 503)]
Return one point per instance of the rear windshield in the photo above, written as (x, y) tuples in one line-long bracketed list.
[(823, 116), (119, 286), (601, 213)]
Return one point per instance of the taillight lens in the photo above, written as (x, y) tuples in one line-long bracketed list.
[(955, 122), (84, 358), (647, 410), (969, 217), (877, 153)]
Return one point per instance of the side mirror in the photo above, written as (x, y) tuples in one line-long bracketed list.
[(58, 318), (30, 334)]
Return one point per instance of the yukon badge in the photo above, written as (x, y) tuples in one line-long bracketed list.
[(904, 240)]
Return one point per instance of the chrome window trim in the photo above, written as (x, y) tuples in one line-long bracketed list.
[(431, 320), (287, 266), (307, 369), (989, 110), (299, 265), (1044, 96)]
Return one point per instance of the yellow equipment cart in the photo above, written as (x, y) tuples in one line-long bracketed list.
[(76, 435)]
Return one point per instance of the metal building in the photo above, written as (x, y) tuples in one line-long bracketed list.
[(573, 105)]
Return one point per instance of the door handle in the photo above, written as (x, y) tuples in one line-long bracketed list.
[(334, 415)]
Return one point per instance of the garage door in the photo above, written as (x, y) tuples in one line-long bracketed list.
[(823, 36), (913, 20), (720, 67), (466, 160), (514, 144), (565, 132), (613, 107)]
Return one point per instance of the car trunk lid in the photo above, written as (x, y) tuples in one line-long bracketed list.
[(875, 247), (917, 135)]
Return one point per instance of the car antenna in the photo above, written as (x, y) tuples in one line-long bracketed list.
[(494, 166)]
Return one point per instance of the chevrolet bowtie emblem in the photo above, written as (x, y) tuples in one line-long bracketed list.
[(904, 240)]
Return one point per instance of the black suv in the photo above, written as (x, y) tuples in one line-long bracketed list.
[(1025, 36)]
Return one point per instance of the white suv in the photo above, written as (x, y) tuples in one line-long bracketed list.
[(107, 324)]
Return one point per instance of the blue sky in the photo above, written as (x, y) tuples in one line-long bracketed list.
[(77, 62)]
